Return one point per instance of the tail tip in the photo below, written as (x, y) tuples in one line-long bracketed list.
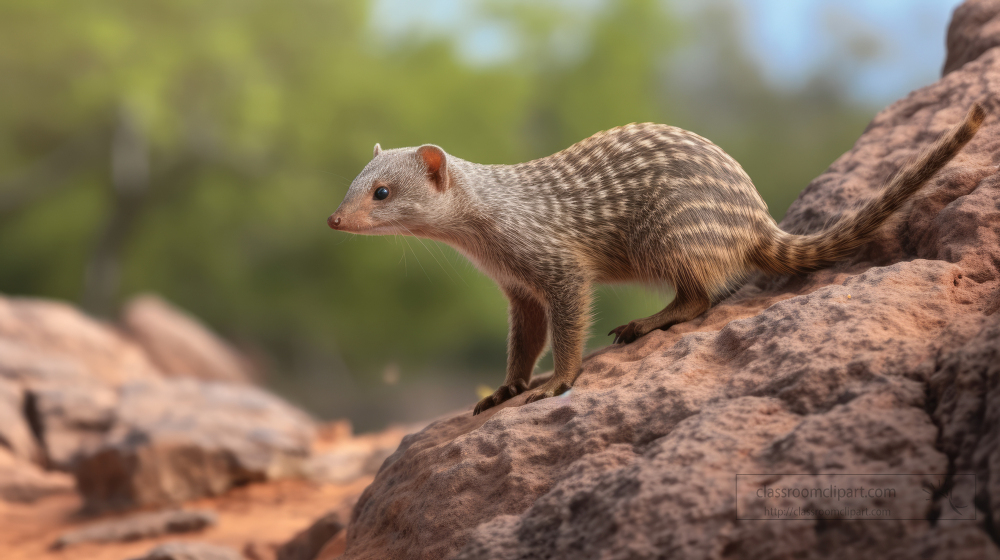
[(976, 116)]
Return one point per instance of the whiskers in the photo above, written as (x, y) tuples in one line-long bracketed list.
[(398, 225)]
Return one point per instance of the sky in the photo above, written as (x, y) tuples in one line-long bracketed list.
[(883, 49)]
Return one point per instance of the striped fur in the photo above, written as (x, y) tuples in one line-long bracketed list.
[(784, 253), (639, 203)]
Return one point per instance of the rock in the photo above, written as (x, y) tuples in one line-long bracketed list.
[(72, 419), (307, 544), (77, 395), (183, 550), (347, 463), (179, 439), (342, 466), (24, 481), (139, 526), (965, 393), (51, 342), (974, 29), (15, 433), (260, 551), (180, 345), (334, 548), (339, 458), (883, 364), (21, 477)]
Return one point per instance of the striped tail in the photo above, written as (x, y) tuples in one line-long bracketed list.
[(786, 253)]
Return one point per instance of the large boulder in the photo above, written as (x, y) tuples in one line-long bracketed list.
[(59, 370), (974, 29), (177, 439), (885, 364), (85, 397), (47, 342)]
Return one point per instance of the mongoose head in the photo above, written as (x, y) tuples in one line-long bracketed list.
[(402, 191)]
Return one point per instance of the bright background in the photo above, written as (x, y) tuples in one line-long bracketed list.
[(194, 149)]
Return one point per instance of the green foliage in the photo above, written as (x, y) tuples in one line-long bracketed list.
[(258, 115)]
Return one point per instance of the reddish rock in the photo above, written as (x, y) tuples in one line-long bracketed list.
[(24, 481), (339, 458), (180, 439), (15, 432), (965, 388), (71, 419), (884, 364), (186, 550), (180, 345), (46, 341), (138, 526), (76, 395), (974, 29), (307, 544)]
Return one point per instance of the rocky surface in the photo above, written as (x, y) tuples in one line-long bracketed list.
[(974, 29), (339, 459), (139, 526), (90, 424), (183, 550), (135, 428), (15, 432), (884, 364), (178, 439), (307, 544), (71, 419), (24, 481), (256, 519), (180, 345), (45, 342)]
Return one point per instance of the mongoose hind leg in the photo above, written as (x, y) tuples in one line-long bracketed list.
[(688, 304), (528, 333)]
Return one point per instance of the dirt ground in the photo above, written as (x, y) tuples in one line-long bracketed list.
[(253, 519)]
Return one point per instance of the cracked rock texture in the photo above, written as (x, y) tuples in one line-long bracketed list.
[(886, 364)]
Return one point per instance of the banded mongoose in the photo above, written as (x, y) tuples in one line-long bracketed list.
[(644, 203)]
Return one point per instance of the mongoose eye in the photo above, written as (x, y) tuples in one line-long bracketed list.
[(381, 193)]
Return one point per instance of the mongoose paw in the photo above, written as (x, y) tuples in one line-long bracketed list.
[(548, 389), (504, 393), (626, 333)]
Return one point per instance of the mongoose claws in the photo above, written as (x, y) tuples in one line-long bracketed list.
[(502, 394), (547, 390), (624, 334)]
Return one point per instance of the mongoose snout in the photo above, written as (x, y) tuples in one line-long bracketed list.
[(643, 203)]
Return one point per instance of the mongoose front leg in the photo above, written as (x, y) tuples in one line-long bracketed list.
[(688, 304), (569, 313), (525, 341)]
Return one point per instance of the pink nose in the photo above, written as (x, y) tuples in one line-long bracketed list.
[(333, 222)]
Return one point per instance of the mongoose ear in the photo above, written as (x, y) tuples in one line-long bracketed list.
[(437, 165), (378, 150)]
